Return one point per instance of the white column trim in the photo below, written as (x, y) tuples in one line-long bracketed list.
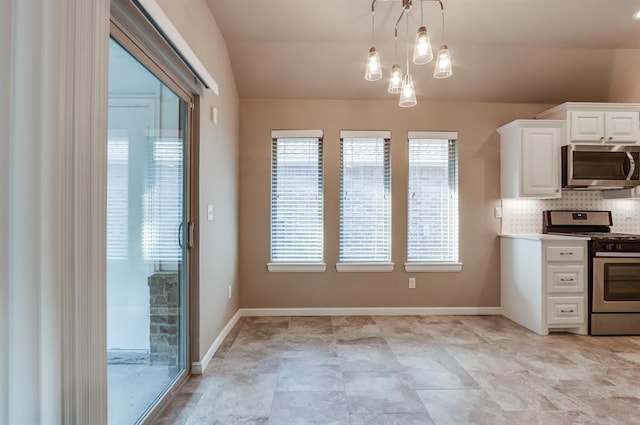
[(34, 332), (5, 135), (52, 211), (83, 210)]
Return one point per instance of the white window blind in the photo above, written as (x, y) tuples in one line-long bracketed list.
[(163, 201), (296, 197), (433, 200), (365, 198), (117, 198)]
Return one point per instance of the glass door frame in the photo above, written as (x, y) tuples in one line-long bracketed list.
[(189, 230)]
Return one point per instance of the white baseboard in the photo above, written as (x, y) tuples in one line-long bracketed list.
[(198, 367), (372, 311)]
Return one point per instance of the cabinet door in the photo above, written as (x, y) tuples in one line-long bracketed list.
[(621, 127), (541, 162), (586, 126), (565, 310), (565, 279)]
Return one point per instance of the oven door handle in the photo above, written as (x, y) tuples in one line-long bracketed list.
[(618, 254), (632, 165)]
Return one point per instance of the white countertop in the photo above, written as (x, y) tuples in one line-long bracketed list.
[(543, 237)]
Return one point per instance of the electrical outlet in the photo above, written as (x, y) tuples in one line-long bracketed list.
[(412, 283)]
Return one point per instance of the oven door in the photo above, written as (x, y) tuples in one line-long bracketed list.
[(616, 282)]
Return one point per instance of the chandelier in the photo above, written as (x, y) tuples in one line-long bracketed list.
[(422, 54)]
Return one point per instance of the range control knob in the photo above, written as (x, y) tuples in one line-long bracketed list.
[(611, 246)]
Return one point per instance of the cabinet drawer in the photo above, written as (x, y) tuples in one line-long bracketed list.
[(569, 253), (565, 310), (565, 279)]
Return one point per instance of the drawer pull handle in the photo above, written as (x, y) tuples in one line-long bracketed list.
[(567, 311), (566, 279), (566, 253)]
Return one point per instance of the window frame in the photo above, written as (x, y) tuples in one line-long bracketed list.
[(307, 266), (367, 266), (423, 266)]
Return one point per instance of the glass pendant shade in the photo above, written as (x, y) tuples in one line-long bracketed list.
[(373, 69), (407, 94), (395, 80), (422, 53), (443, 63)]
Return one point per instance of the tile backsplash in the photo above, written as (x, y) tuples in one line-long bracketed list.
[(525, 215)]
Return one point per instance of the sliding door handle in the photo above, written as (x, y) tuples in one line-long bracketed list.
[(191, 226)]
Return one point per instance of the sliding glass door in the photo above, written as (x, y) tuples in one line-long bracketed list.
[(147, 238)]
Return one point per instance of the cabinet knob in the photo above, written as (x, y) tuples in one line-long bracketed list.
[(602, 139)]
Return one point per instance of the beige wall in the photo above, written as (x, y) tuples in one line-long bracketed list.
[(218, 171), (625, 78), (478, 283)]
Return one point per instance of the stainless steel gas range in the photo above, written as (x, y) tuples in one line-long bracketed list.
[(614, 269)]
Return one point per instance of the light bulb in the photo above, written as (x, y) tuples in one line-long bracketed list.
[(395, 80), (443, 63), (422, 52), (407, 94), (373, 69)]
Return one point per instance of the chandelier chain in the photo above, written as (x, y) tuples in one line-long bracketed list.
[(373, 25), (407, 44)]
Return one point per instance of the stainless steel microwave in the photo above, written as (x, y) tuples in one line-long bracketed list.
[(600, 167)]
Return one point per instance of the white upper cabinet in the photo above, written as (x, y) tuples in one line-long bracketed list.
[(530, 159), (599, 123), (586, 126), (621, 127), (603, 127)]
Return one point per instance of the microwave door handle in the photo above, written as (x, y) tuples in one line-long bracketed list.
[(632, 165)]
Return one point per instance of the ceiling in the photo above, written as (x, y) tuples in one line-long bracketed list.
[(531, 51)]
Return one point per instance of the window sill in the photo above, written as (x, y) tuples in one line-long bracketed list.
[(364, 267), (296, 267), (432, 267)]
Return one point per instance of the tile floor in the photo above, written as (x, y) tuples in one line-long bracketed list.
[(409, 370)]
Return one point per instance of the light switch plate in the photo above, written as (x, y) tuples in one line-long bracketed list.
[(209, 212)]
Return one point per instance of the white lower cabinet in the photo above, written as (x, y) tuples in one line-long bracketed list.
[(543, 283), (565, 310), (565, 279)]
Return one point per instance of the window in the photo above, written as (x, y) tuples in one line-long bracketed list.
[(365, 201), (162, 231), (433, 202), (296, 201), (117, 196)]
